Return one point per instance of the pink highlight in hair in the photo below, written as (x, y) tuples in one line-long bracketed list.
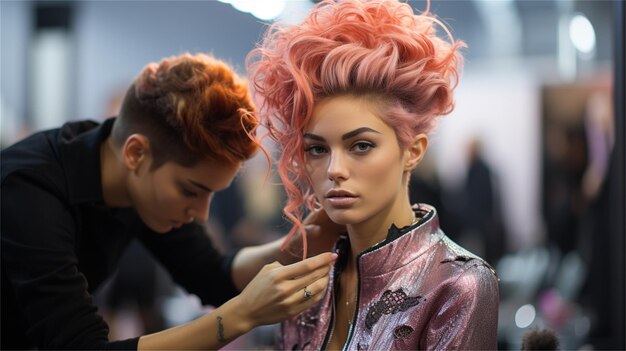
[(376, 49)]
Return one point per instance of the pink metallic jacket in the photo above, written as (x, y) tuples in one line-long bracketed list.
[(417, 290)]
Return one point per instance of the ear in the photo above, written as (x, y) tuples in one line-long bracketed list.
[(415, 152), (136, 150)]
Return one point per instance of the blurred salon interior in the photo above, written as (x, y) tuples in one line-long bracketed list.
[(527, 171)]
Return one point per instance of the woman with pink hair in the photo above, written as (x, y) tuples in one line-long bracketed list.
[(350, 95)]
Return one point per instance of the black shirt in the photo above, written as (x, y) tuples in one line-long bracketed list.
[(60, 242)]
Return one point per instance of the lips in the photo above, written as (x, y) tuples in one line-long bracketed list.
[(339, 193), (340, 198)]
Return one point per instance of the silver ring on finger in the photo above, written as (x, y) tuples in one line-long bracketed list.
[(307, 294)]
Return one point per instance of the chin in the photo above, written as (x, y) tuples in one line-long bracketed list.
[(159, 228), (341, 217)]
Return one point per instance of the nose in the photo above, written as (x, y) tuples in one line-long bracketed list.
[(337, 169), (200, 209)]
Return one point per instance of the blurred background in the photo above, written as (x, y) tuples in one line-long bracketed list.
[(528, 171)]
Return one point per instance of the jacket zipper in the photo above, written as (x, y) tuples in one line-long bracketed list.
[(424, 219), (329, 335), (331, 327), (356, 309)]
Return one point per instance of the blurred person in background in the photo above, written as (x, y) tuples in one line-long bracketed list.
[(425, 185), (600, 138), (482, 229), (74, 197), (564, 165), (350, 95)]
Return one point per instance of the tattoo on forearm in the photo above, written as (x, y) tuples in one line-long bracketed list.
[(220, 330)]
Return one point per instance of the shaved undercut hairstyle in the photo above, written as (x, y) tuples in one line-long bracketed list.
[(190, 108)]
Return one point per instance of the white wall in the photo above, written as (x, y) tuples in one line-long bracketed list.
[(501, 107), (15, 24), (116, 39)]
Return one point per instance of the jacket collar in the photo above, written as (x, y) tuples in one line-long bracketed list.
[(401, 246)]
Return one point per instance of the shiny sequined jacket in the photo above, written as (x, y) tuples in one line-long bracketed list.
[(417, 290)]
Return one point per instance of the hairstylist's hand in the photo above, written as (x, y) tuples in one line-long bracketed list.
[(278, 292), (322, 233)]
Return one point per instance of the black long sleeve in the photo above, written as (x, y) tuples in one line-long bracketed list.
[(60, 242), (42, 269), (193, 263)]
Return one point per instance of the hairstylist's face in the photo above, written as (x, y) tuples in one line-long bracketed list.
[(172, 195), (354, 162)]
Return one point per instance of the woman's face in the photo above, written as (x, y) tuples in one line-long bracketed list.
[(354, 162), (172, 195)]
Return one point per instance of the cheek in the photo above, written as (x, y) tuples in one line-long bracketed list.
[(383, 166), (164, 196), (315, 173), (170, 198), (383, 174)]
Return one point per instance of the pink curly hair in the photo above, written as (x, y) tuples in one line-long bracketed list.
[(377, 48)]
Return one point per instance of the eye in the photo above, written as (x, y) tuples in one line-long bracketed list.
[(315, 150), (188, 193), (362, 147)]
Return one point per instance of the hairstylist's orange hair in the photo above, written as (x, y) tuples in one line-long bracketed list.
[(191, 107)]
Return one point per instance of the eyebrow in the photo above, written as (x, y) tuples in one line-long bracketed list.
[(201, 186), (346, 136)]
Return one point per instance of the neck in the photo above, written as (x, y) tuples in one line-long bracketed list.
[(374, 230), (113, 175)]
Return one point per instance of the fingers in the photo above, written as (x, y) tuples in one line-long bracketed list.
[(314, 283), (294, 287), (308, 279), (304, 267), (292, 279), (300, 302), (278, 292), (317, 290)]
